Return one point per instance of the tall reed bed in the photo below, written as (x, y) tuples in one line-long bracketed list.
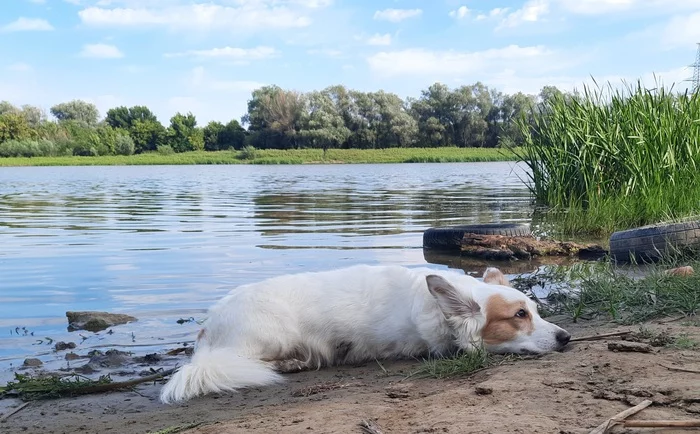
[(611, 158)]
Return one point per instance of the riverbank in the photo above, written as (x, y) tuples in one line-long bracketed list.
[(279, 156), (570, 392), (625, 350)]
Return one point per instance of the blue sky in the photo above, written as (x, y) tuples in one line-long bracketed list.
[(206, 56)]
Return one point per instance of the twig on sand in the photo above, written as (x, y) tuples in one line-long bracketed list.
[(662, 424), (599, 337), (678, 318), (99, 388), (30, 389), (15, 411), (620, 417), (370, 426), (674, 368)]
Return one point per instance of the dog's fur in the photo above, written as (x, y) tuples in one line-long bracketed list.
[(301, 321)]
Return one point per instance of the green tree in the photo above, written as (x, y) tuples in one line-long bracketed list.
[(34, 115), (6, 106), (183, 134), (84, 140), (274, 116), (211, 134), (233, 136), (147, 135), (123, 117), (76, 110), (395, 126), (323, 125), (218, 136), (13, 126)]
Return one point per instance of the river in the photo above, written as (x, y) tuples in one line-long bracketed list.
[(162, 243)]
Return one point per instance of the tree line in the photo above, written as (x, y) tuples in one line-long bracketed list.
[(276, 118)]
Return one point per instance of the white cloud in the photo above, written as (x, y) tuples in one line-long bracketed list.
[(459, 13), (396, 15), (597, 7), (493, 13), (204, 16), (20, 67), (421, 62), (532, 11), (23, 24), (101, 51), (536, 10), (229, 53), (680, 31), (200, 80), (378, 39)]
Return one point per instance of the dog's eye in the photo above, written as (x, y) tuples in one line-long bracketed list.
[(522, 313)]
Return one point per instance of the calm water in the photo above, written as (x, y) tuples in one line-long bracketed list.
[(163, 242)]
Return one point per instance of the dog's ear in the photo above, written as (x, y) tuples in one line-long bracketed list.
[(451, 301), (494, 276)]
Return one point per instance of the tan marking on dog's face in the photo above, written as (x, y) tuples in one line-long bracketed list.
[(505, 320)]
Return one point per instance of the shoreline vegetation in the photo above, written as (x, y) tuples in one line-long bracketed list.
[(613, 159), (278, 156), (469, 116)]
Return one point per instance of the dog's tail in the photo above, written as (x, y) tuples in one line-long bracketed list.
[(213, 371)]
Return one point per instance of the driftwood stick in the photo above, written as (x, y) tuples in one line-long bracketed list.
[(369, 426), (662, 423), (99, 388), (673, 368), (599, 337), (620, 417), (15, 411)]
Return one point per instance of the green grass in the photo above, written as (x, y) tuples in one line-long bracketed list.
[(614, 159), (462, 364), (277, 156), (620, 294)]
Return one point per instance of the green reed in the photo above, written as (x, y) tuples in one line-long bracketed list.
[(613, 158)]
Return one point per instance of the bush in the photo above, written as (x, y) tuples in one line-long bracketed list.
[(165, 150), (248, 153), (124, 145), (28, 148)]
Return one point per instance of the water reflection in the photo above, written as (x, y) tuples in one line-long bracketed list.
[(164, 242)]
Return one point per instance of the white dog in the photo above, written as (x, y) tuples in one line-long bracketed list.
[(308, 320)]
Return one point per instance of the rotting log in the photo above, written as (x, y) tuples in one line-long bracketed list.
[(503, 248)]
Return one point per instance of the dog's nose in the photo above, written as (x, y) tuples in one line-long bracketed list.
[(563, 337)]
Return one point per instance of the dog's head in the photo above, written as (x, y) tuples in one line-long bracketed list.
[(501, 317)]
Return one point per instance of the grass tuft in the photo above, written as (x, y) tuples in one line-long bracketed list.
[(462, 364)]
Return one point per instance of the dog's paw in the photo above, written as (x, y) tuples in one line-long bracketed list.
[(289, 366)]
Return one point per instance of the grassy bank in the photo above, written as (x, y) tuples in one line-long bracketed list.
[(276, 156), (610, 159)]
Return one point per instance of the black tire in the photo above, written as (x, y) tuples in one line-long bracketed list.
[(650, 243), (450, 238)]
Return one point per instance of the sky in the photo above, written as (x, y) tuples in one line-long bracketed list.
[(206, 57)]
